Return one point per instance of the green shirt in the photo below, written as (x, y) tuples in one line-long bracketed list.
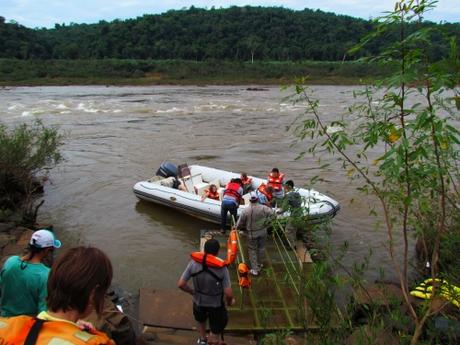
[(23, 287)]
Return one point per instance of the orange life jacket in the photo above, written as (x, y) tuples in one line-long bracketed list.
[(232, 189), (232, 247), (14, 331), (243, 276), (246, 181), (215, 261), (211, 260), (213, 195), (276, 182), (263, 189)]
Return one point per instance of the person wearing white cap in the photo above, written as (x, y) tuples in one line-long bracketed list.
[(23, 280), (255, 220)]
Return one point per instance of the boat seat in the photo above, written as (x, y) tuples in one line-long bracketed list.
[(201, 187), (191, 181), (215, 182)]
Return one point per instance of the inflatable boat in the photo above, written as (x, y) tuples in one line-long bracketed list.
[(183, 189)]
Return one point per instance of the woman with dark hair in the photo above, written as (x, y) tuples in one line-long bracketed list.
[(23, 279), (77, 284)]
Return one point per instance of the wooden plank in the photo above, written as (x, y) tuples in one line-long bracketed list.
[(166, 309)]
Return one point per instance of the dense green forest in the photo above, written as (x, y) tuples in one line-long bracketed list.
[(236, 33)]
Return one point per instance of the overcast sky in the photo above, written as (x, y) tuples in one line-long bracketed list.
[(45, 13)]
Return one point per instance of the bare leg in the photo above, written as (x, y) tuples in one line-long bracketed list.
[(202, 330)]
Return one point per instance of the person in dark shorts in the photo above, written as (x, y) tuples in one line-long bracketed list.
[(211, 289)]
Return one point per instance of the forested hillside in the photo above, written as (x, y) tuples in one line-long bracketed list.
[(236, 33)]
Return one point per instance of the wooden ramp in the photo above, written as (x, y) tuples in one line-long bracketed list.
[(166, 309), (273, 302)]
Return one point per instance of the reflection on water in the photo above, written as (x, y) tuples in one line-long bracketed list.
[(116, 136)]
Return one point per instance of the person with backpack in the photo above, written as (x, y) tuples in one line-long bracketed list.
[(211, 290)]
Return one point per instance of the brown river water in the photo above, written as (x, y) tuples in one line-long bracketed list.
[(116, 136)]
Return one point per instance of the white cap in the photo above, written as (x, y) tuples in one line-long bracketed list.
[(44, 239), (254, 197)]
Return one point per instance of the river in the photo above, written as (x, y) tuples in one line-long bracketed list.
[(116, 136)]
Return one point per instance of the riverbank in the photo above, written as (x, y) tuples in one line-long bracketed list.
[(15, 72)]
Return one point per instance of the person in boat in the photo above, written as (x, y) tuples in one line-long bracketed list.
[(293, 203), (23, 279), (230, 202), (265, 194), (77, 284), (254, 220), (211, 193), (211, 289), (275, 180), (173, 182), (247, 182)]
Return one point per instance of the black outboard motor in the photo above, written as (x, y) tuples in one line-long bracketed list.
[(167, 169)]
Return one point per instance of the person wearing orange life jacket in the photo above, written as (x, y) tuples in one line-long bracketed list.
[(230, 201), (275, 180), (211, 289), (265, 194), (77, 284), (211, 193), (247, 182)]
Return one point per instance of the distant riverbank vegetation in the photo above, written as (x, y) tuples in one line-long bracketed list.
[(232, 45), (151, 72)]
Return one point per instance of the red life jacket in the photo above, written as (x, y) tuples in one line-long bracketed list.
[(211, 260), (213, 195), (263, 189), (276, 182), (232, 190)]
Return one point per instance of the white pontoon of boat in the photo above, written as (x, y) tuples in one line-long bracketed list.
[(318, 207)]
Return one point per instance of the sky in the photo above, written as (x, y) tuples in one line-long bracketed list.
[(46, 13)]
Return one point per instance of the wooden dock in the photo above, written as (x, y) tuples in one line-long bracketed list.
[(273, 302)]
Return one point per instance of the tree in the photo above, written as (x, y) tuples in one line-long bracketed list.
[(253, 43), (409, 120)]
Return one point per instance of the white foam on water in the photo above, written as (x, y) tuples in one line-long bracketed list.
[(86, 109), (61, 106), (25, 113), (116, 111), (172, 110), (65, 112)]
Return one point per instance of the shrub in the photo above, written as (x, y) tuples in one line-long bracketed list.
[(27, 152)]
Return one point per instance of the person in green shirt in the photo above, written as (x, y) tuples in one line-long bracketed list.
[(23, 280)]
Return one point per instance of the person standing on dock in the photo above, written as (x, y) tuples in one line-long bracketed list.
[(255, 220), (230, 202), (211, 286), (293, 204), (23, 279)]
